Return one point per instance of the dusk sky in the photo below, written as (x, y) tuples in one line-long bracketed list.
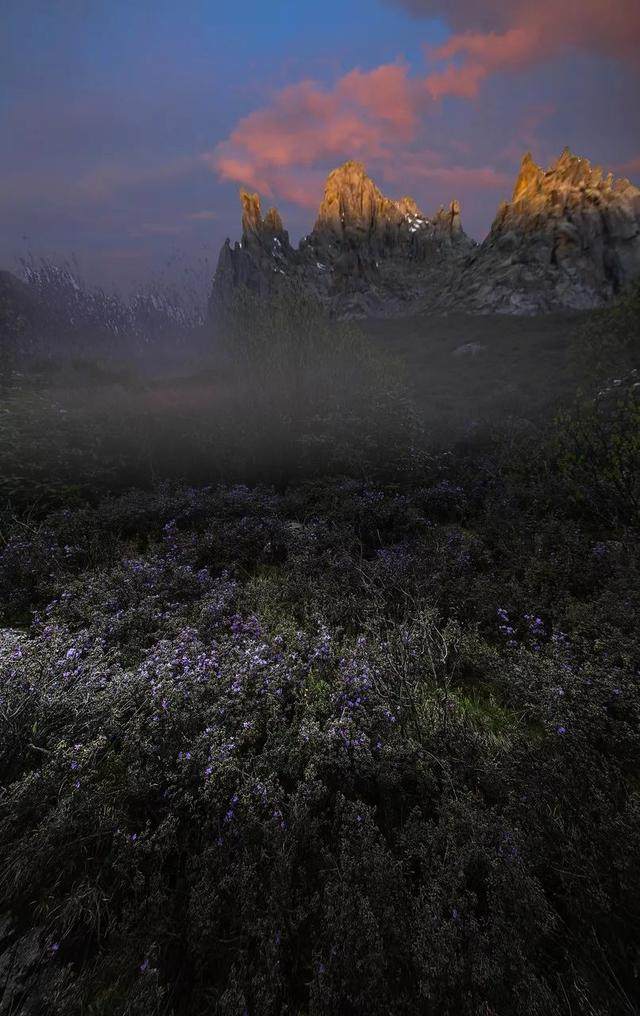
[(126, 127)]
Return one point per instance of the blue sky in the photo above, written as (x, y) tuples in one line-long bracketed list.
[(114, 116)]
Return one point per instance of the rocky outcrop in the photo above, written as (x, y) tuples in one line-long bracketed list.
[(263, 252), (367, 254), (568, 239), (259, 232), (353, 210)]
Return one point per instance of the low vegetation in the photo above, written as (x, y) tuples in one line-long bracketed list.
[(346, 723)]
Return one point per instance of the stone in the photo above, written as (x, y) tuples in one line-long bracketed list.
[(469, 349)]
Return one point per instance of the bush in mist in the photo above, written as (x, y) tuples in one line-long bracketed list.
[(285, 392), (599, 456), (308, 393)]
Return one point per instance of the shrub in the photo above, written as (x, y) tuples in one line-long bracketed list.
[(305, 753), (607, 344), (309, 394), (599, 457)]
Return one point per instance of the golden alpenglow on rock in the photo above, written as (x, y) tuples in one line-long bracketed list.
[(568, 239)]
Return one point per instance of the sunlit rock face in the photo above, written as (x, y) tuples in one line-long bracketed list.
[(568, 239), (367, 254), (259, 232), (354, 210), (355, 213)]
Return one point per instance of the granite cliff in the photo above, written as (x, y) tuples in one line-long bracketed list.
[(365, 255), (569, 238)]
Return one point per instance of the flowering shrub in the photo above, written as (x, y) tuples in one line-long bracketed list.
[(317, 752), (348, 743)]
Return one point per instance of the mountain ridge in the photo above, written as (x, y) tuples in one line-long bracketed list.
[(568, 239)]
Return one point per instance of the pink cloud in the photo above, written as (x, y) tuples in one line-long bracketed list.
[(386, 93), (482, 55), (610, 29), (525, 35), (363, 115), (385, 115)]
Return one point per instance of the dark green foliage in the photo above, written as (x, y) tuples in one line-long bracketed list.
[(608, 343), (599, 456), (358, 745)]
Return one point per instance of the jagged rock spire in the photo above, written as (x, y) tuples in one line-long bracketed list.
[(354, 206), (354, 210), (251, 215), (273, 222), (570, 238), (255, 229), (567, 172), (448, 222), (407, 206), (529, 177)]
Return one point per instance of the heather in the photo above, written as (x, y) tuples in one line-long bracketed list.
[(354, 731)]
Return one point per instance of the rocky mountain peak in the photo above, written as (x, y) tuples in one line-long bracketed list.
[(569, 238), (569, 172), (529, 178), (447, 223), (407, 206), (273, 222), (266, 234), (572, 171), (255, 229), (251, 215), (352, 204)]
